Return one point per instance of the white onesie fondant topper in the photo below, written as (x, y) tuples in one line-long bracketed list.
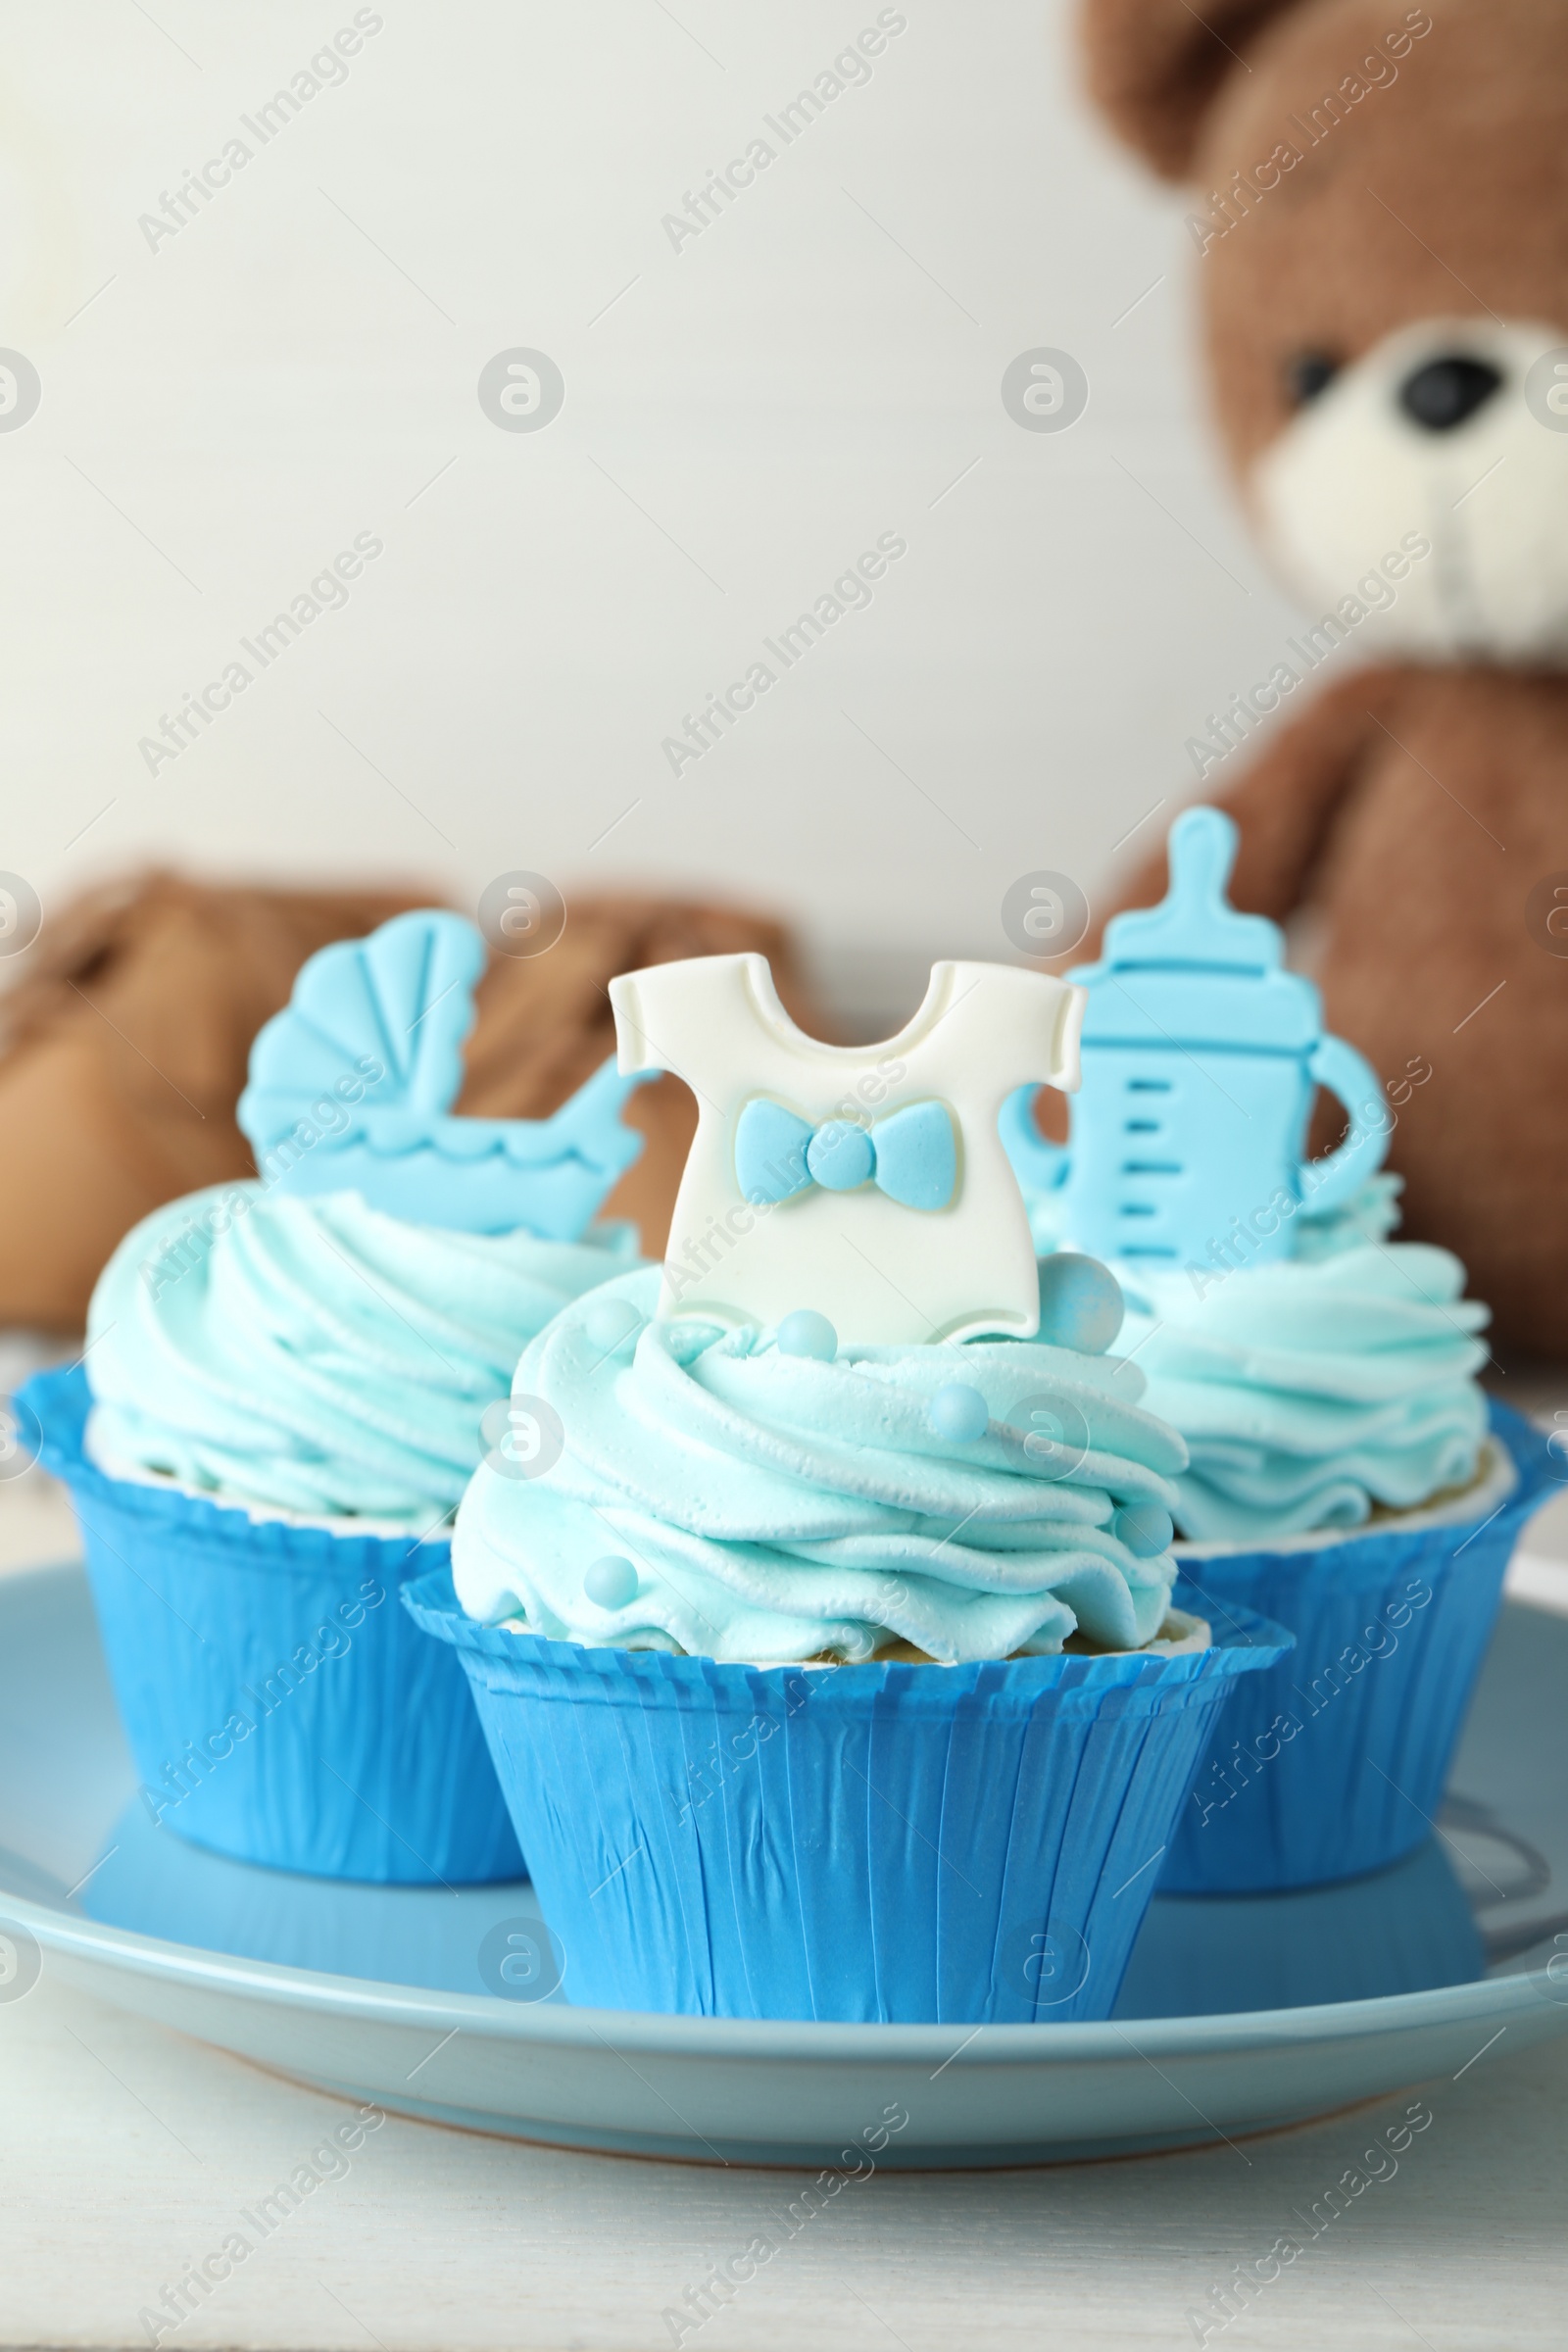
[(867, 1184)]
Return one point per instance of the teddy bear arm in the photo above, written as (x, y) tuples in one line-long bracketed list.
[(1287, 802)]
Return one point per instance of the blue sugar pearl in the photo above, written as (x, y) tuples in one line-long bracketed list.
[(807, 1333), (1145, 1528), (611, 1582), (1080, 1304), (610, 1323), (959, 1412)]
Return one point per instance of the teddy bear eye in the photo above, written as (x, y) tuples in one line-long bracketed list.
[(1308, 373)]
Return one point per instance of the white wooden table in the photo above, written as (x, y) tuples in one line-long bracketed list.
[(127, 2154)]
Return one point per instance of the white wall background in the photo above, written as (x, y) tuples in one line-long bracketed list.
[(222, 414)]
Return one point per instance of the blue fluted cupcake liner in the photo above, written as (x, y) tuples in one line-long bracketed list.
[(882, 1843), (278, 1704), (1334, 1762)]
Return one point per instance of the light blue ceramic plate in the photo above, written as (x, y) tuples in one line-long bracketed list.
[(1237, 2015)]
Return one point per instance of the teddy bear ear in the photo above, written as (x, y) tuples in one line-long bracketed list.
[(1155, 67)]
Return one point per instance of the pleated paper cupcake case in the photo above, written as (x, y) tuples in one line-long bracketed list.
[(363, 1757), (1359, 1780), (900, 1841)]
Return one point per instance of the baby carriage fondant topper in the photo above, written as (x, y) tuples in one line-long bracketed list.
[(866, 1185), (1201, 1056), (351, 1084)]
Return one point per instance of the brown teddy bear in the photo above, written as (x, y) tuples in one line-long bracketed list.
[(1380, 225)]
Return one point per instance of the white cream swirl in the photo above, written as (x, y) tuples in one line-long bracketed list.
[(317, 1356), (750, 1504)]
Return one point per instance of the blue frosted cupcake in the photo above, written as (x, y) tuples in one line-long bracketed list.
[(1324, 1392), (284, 1392), (1350, 1477), (1345, 1476), (828, 1677)]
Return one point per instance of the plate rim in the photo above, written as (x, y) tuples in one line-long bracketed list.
[(655, 2033), (546, 2026)]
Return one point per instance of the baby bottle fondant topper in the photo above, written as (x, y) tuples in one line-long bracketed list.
[(866, 1185), (351, 1089), (1201, 1056)]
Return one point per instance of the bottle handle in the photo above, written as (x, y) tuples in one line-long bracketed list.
[(1329, 1183), (1039, 1165)]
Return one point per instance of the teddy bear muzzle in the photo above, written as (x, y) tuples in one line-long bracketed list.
[(1439, 456)]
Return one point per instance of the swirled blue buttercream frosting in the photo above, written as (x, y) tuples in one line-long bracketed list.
[(317, 1356), (1313, 1391), (719, 1494)]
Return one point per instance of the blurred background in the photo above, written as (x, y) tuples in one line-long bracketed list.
[(240, 382), (405, 435)]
